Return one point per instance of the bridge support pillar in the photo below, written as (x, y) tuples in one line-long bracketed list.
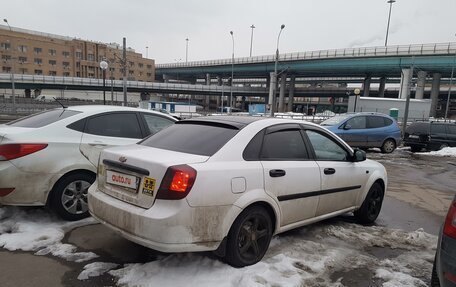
[(291, 93), (435, 91), (207, 98), (283, 85), (219, 99), (421, 82), (166, 80), (366, 86), (381, 88), (406, 79)]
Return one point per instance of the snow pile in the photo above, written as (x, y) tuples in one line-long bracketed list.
[(447, 151), (306, 257), (96, 269), (36, 230)]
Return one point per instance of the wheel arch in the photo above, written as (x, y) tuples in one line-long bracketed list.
[(75, 171)]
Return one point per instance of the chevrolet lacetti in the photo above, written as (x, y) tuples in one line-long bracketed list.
[(228, 184)]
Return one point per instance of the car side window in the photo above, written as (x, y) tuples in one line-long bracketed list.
[(452, 129), (356, 123), (156, 123), (375, 122), (123, 125), (438, 129), (284, 145), (326, 148)]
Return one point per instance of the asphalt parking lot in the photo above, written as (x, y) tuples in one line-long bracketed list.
[(40, 250)]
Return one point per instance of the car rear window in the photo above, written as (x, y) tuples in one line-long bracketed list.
[(43, 119), (195, 138), (418, 128)]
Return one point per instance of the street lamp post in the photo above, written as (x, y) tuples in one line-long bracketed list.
[(449, 88), (147, 52), (13, 90), (389, 18), (232, 74), (251, 39), (274, 77), (104, 66), (186, 50)]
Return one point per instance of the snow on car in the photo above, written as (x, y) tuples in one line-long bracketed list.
[(227, 184)]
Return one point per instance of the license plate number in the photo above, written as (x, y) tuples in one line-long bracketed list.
[(122, 179), (414, 137)]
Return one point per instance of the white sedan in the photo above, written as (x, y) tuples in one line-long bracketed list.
[(227, 184), (40, 155)]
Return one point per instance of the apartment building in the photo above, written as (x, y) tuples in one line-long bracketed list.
[(34, 53)]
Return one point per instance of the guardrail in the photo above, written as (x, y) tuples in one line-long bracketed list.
[(398, 50), (73, 81)]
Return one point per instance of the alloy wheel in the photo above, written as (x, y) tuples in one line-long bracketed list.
[(74, 197)]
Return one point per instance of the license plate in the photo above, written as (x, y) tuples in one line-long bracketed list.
[(122, 179), (148, 186), (414, 137)]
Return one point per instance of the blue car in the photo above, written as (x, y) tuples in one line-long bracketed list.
[(366, 130)]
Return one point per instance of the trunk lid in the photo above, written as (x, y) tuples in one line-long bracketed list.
[(134, 173), (6, 131)]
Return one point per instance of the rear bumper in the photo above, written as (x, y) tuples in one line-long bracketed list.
[(29, 188), (168, 226)]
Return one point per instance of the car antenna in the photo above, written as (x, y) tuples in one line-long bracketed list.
[(63, 106)]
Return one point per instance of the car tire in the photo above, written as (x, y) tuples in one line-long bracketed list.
[(388, 146), (434, 277), (370, 209), (414, 148), (69, 195), (442, 146), (249, 237)]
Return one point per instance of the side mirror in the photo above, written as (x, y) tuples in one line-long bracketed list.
[(347, 127), (359, 155)]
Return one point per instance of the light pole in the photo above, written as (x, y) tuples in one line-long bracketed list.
[(186, 50), (449, 89), (13, 90), (389, 18), (251, 39), (274, 77), (147, 52), (104, 66), (232, 73)]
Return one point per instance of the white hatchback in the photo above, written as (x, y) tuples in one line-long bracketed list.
[(227, 184), (40, 155)]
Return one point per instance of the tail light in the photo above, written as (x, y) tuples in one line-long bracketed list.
[(13, 151), (449, 228), (177, 182)]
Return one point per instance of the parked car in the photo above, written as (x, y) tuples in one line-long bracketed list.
[(430, 135), (366, 130), (444, 269), (228, 183), (40, 158)]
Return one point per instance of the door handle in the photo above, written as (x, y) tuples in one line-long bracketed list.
[(276, 172), (98, 143), (329, 171)]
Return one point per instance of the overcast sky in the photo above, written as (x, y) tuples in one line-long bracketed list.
[(163, 26)]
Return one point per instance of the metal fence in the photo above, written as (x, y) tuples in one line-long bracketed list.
[(398, 50)]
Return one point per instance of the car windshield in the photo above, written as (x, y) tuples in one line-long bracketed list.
[(43, 119), (201, 139), (334, 120)]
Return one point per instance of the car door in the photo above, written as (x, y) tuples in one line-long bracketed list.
[(354, 131), (109, 129), (289, 174), (451, 135), (376, 130), (438, 135), (341, 179)]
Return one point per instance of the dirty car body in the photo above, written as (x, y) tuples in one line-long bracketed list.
[(227, 184)]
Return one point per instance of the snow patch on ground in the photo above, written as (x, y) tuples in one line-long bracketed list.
[(447, 151), (39, 231), (305, 257), (96, 269)]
